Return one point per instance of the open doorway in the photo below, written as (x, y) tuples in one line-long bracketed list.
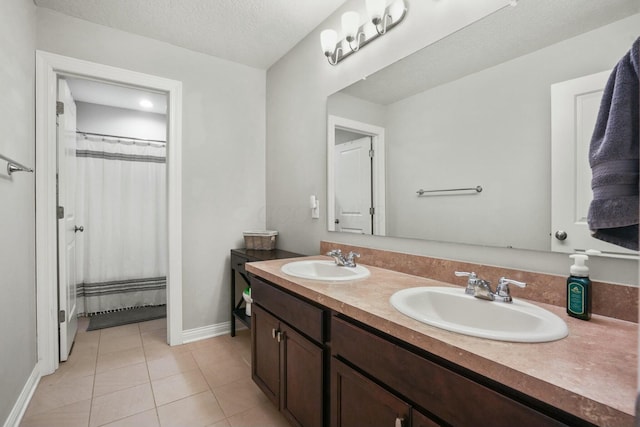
[(112, 185), (52, 316)]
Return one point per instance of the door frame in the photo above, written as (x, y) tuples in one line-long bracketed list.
[(377, 169), (48, 67)]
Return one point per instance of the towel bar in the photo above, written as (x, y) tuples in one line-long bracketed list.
[(13, 166), (477, 189)]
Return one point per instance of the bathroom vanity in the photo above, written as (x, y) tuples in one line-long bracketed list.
[(337, 353)]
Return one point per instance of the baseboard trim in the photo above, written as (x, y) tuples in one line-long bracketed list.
[(204, 332), (20, 407)]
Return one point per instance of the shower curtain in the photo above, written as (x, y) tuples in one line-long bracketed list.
[(121, 203)]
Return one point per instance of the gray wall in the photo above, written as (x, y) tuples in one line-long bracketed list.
[(296, 142), (223, 147), (17, 207)]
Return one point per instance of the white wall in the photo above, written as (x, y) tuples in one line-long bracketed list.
[(121, 121), (17, 210), (223, 147), (297, 89)]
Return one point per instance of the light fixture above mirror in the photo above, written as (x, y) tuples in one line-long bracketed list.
[(355, 35)]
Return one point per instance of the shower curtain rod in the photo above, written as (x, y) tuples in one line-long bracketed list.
[(120, 137)]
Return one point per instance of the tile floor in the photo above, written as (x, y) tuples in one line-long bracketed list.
[(129, 376)]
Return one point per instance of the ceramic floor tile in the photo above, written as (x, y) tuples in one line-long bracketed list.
[(120, 379), (153, 325), (143, 419), (239, 396), (55, 394), (121, 404), (194, 411), (265, 415), (120, 331), (222, 423), (119, 359), (225, 371), (156, 350), (72, 415), (86, 340), (157, 336), (214, 352), (112, 344), (171, 364), (178, 386), (73, 368)]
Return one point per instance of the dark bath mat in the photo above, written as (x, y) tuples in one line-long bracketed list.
[(134, 315)]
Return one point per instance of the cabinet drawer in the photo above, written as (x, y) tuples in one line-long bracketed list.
[(453, 398), (305, 317)]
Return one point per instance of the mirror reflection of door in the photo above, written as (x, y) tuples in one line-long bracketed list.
[(353, 189)]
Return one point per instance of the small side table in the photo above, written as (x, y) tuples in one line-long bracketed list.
[(238, 258)]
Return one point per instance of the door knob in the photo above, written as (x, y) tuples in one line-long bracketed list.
[(80, 229), (561, 235)]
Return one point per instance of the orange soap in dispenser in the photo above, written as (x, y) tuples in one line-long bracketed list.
[(579, 289)]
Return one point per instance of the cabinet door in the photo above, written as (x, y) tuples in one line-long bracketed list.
[(302, 374), (265, 353), (357, 401), (418, 419)]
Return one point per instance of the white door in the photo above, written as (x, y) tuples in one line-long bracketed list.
[(67, 222), (574, 110), (353, 186)]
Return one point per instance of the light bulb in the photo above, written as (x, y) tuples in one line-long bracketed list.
[(396, 10), (350, 25), (328, 40), (145, 103), (375, 10)]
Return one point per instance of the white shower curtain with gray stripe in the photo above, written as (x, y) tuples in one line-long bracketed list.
[(121, 203)]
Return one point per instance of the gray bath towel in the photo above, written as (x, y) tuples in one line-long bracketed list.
[(613, 155)]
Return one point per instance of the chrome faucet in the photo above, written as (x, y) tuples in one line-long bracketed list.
[(481, 288), (341, 260), (471, 283)]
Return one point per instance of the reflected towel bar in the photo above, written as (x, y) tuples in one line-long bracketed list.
[(13, 166), (477, 189)]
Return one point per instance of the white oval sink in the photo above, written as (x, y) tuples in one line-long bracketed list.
[(453, 310), (324, 270)]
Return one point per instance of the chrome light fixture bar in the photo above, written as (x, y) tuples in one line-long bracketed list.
[(382, 19)]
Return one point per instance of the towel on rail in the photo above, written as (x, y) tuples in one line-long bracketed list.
[(613, 156)]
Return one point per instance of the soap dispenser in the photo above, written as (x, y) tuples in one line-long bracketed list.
[(579, 289)]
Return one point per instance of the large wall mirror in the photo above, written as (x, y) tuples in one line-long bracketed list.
[(468, 120)]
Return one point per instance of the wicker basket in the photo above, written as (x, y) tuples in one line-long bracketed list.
[(260, 240)]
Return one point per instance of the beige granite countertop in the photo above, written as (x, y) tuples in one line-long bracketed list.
[(592, 373)]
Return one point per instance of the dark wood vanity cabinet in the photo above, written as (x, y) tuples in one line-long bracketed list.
[(287, 354), (323, 368), (357, 401), (452, 399)]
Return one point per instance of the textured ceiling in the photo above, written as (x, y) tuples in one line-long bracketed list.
[(252, 32)]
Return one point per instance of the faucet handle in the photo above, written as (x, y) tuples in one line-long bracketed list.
[(502, 290), (334, 252), (353, 255), (471, 275), (505, 282), (471, 283)]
